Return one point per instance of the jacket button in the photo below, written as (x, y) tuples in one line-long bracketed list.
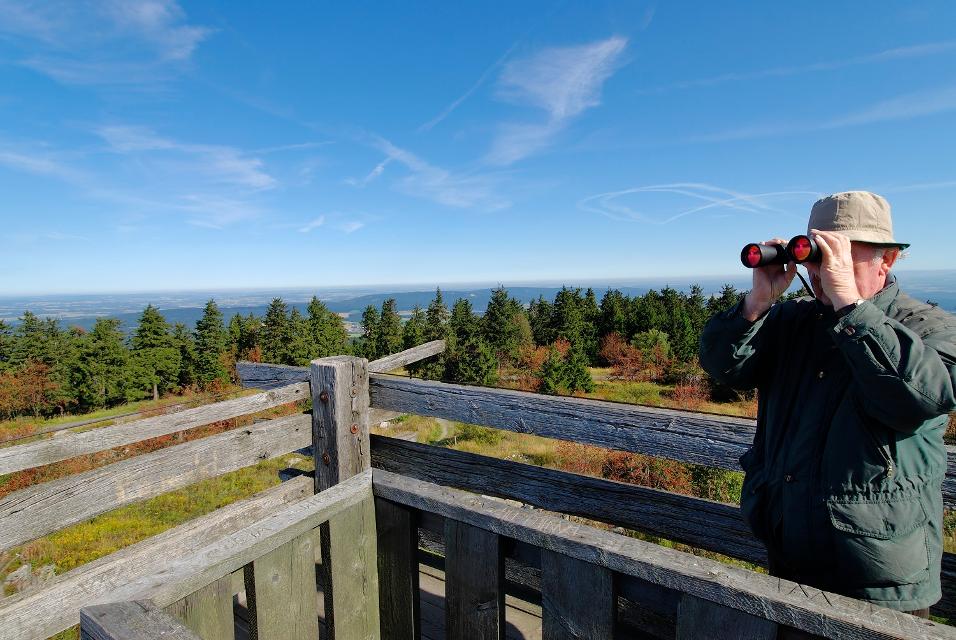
[(788, 478), (849, 331), (821, 373)]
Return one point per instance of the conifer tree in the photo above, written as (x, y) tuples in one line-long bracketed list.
[(301, 348), (6, 346), (470, 360), (100, 375), (327, 330), (613, 319), (566, 318), (370, 333), (501, 324), (551, 373), (154, 360), (436, 328), (211, 342), (185, 344), (413, 333), (275, 335), (577, 376), (390, 329), (591, 317), (539, 316)]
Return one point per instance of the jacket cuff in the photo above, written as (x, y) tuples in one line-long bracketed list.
[(857, 323)]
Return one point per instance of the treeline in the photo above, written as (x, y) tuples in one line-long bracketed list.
[(546, 346)]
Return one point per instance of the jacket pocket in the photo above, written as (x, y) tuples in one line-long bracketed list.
[(879, 543)]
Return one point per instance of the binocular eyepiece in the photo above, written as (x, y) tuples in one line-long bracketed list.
[(800, 249)]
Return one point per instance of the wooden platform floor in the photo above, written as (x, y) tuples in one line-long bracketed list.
[(522, 619)]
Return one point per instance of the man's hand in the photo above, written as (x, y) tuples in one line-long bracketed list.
[(769, 283), (836, 269)]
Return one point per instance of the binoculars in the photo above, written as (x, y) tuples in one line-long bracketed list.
[(799, 249)]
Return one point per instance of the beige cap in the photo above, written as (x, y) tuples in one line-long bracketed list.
[(860, 215)]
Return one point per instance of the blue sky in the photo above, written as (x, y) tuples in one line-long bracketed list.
[(154, 145)]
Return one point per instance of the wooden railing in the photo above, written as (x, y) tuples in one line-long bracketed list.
[(418, 486), (37, 510), (359, 527)]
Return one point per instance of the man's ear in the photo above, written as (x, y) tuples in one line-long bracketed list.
[(889, 259)]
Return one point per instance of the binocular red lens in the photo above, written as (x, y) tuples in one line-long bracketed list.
[(799, 249)]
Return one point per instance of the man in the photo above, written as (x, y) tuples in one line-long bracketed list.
[(843, 481)]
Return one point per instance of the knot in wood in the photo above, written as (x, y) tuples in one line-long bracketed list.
[(354, 428), (326, 458), (353, 392), (324, 396)]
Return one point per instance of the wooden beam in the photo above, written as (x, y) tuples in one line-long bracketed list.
[(208, 611), (700, 438), (283, 603), (35, 511), (69, 444), (131, 621), (339, 419), (577, 599), (397, 529), (263, 375), (186, 573), (474, 583), (56, 607), (352, 573), (704, 620), (781, 601), (701, 523)]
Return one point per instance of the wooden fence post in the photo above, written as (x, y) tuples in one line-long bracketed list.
[(340, 407)]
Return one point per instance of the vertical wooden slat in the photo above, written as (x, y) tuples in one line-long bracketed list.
[(699, 619), (474, 583), (208, 611), (398, 571), (340, 407), (281, 593), (577, 599), (353, 574)]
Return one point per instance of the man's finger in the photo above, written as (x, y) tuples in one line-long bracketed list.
[(822, 243)]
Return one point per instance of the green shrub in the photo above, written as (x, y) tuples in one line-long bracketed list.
[(481, 435)]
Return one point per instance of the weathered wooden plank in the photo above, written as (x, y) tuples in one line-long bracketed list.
[(131, 621), (69, 445), (263, 375), (208, 611), (474, 583), (702, 523), (699, 438), (339, 419), (398, 582), (283, 603), (43, 613), (704, 620), (577, 599), (218, 558), (781, 601), (407, 357), (40, 509), (353, 613)]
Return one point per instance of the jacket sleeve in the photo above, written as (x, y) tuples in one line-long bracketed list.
[(730, 347), (902, 379)]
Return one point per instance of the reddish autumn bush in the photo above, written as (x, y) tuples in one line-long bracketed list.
[(647, 471), (691, 396), (580, 458), (627, 362)]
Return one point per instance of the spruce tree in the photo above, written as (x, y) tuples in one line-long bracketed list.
[(539, 316), (275, 335), (100, 377), (211, 340), (413, 333), (154, 359), (591, 317), (566, 317), (6, 346), (301, 348), (436, 328), (327, 330), (370, 333), (185, 344), (501, 325), (613, 319), (470, 359), (577, 376), (390, 329), (551, 373)]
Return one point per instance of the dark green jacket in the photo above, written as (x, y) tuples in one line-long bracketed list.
[(843, 481)]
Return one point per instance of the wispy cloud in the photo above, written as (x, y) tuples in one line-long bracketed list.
[(312, 225), (563, 81), (378, 170), (427, 126), (350, 226), (904, 107), (708, 198), (102, 42), (219, 163), (424, 180), (887, 55)]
